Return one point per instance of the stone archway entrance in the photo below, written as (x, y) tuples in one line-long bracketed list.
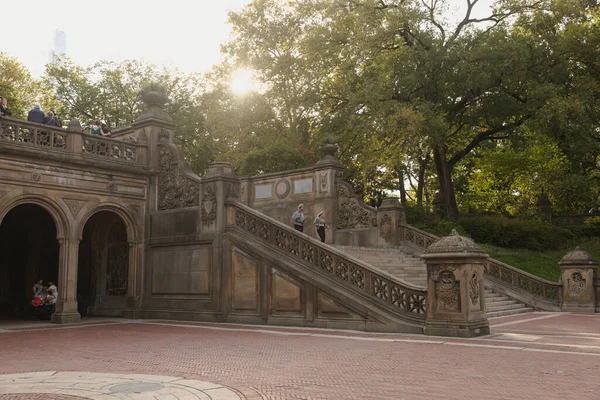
[(29, 250), (103, 269)]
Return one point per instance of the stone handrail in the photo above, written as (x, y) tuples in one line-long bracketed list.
[(33, 134), (400, 297), (507, 279)]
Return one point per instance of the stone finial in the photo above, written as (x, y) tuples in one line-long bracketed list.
[(155, 101), (578, 257), (74, 125), (454, 243), (329, 150)]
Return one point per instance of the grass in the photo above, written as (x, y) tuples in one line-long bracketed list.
[(542, 264)]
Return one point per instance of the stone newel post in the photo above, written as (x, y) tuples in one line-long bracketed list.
[(578, 271), (455, 288), (390, 218)]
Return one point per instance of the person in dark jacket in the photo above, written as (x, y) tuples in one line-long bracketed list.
[(51, 119), (36, 115), (4, 111)]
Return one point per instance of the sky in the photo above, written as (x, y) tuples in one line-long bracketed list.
[(177, 33)]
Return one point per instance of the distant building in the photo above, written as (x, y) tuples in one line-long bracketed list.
[(60, 46)]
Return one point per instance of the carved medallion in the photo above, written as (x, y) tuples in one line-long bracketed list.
[(36, 176), (385, 229), (282, 188), (209, 206), (576, 283), (474, 289), (447, 291), (74, 205), (351, 212), (112, 187), (175, 190)]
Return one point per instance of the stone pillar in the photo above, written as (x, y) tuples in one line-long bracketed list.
[(578, 272), (455, 288), (325, 191), (66, 305), (390, 218)]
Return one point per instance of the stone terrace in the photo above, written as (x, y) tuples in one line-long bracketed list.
[(533, 356)]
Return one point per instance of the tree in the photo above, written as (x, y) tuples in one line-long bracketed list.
[(17, 86)]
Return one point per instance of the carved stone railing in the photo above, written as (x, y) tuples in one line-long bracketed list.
[(507, 279), (32, 134), (17, 135), (400, 297), (109, 148), (352, 212)]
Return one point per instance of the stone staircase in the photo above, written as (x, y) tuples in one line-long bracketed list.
[(413, 269), (499, 305)]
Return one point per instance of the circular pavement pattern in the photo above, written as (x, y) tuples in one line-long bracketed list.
[(87, 385)]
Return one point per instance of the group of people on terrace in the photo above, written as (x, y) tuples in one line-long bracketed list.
[(38, 116)]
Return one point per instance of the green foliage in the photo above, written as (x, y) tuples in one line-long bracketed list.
[(277, 156), (17, 86), (517, 233)]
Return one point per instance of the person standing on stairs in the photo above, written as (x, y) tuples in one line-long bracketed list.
[(320, 225), (298, 218)]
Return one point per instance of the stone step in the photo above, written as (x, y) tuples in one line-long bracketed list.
[(492, 314), (496, 298), (499, 303), (506, 307)]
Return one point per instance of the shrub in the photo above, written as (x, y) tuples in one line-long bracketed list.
[(517, 233)]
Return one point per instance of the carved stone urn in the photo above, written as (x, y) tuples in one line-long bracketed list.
[(154, 98), (329, 150)]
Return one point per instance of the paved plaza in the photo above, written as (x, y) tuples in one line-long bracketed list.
[(529, 356)]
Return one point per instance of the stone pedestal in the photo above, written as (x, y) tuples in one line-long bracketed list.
[(578, 272), (455, 288), (390, 217)]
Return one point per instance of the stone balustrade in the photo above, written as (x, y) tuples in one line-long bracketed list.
[(72, 142)]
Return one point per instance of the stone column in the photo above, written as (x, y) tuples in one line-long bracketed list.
[(455, 288), (390, 217), (578, 272), (66, 305)]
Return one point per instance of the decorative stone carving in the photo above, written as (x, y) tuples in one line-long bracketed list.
[(447, 290), (163, 136), (474, 289), (351, 212), (142, 138), (454, 244), (244, 191), (385, 228), (36, 176), (136, 211), (339, 174), (175, 190), (209, 206), (576, 283), (231, 192), (112, 187), (323, 182), (74, 205), (282, 188)]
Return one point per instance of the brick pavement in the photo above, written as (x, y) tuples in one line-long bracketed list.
[(533, 356)]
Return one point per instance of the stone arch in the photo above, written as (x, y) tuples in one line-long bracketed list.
[(57, 213), (122, 212)]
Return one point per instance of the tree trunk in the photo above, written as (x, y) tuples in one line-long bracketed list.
[(448, 205), (401, 187), (421, 180)]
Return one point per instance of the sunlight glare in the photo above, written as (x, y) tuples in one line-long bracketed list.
[(242, 81)]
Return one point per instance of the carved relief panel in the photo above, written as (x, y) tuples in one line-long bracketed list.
[(447, 289), (175, 190), (351, 213)]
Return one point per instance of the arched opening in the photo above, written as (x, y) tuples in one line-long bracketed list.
[(29, 251), (103, 268)]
